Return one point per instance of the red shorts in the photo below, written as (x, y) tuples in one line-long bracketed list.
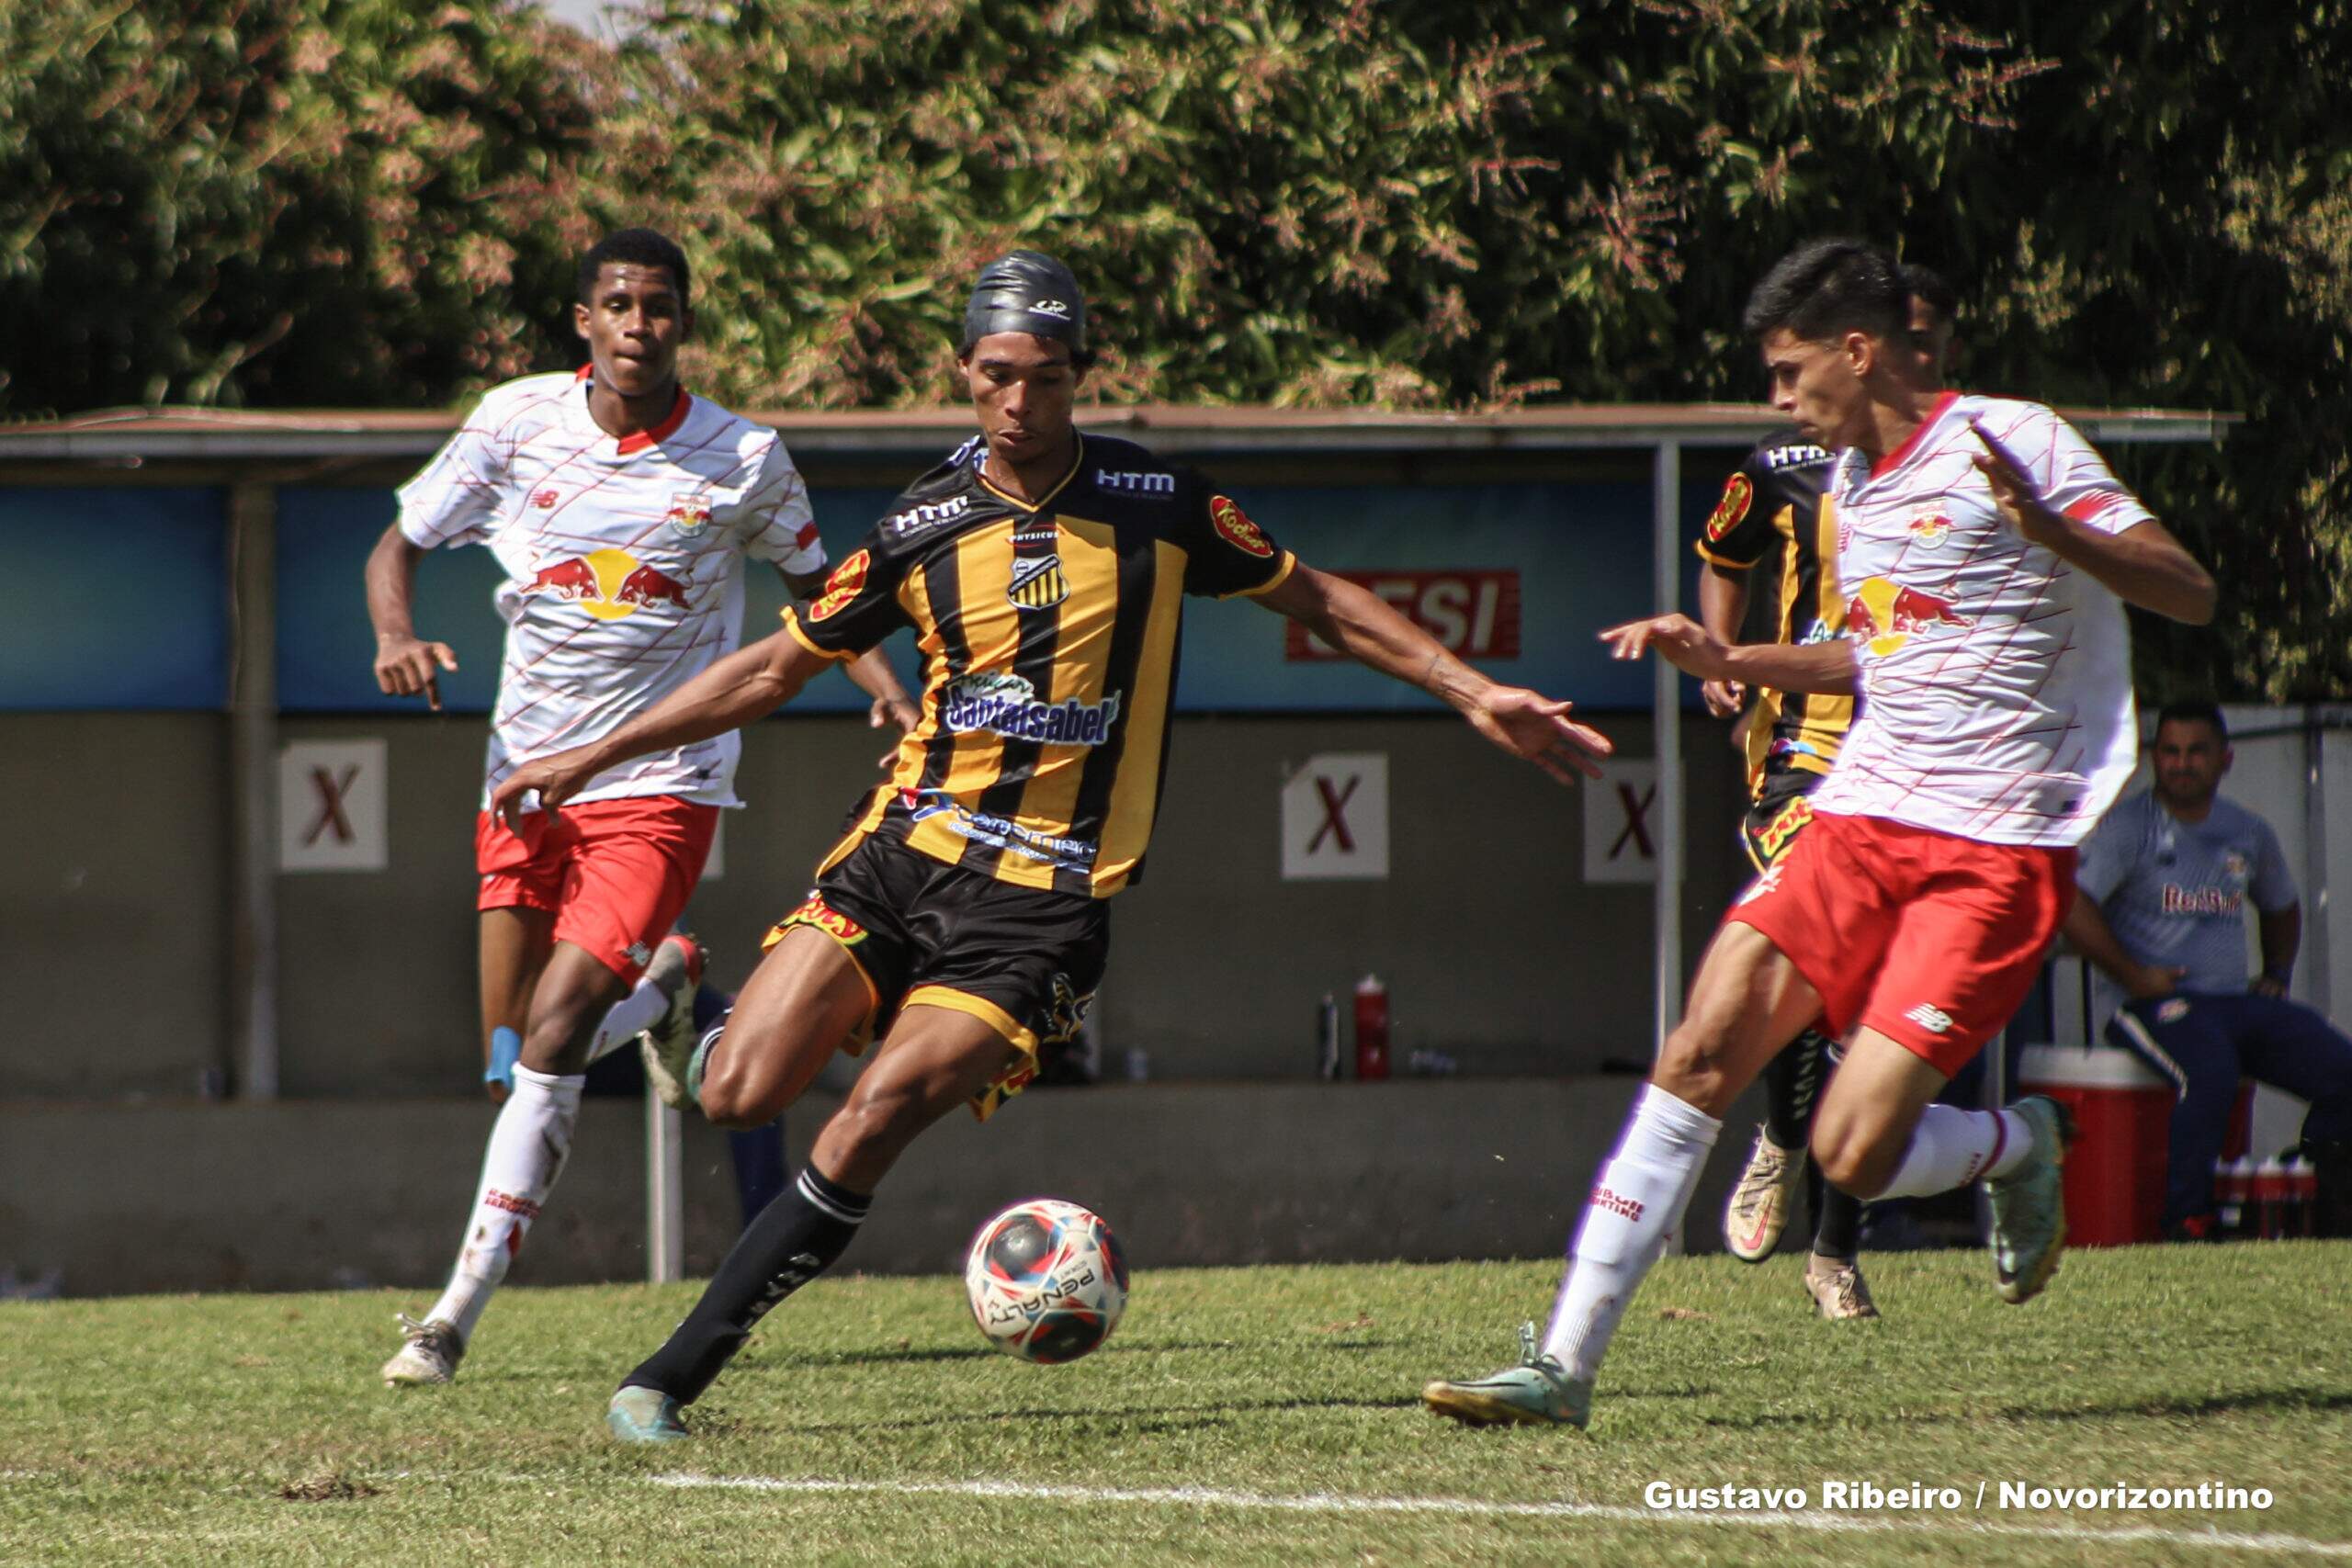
[(614, 873), (1931, 940)]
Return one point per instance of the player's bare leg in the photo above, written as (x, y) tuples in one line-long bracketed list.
[(577, 1011), (804, 1001), (1746, 1003), (935, 1060), (513, 950), (1880, 1135)]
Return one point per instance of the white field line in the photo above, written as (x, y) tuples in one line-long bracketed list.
[(1329, 1502)]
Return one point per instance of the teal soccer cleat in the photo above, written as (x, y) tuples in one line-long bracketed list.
[(1538, 1392), (645, 1415), (2029, 1204)]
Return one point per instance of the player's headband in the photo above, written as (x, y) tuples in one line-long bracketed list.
[(1026, 291)]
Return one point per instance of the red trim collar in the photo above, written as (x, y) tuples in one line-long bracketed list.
[(661, 431), (1943, 400)]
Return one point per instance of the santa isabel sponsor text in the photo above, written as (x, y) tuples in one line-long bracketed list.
[(1919, 1496)]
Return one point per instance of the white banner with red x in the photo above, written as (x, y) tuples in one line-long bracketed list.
[(330, 796), (1335, 818)]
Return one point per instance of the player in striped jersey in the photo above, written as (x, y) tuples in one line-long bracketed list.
[(964, 920), (1773, 505), (623, 509)]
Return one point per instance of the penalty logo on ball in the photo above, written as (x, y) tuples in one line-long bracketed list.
[(1046, 1279)]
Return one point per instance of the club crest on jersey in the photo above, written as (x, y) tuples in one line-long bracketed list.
[(1884, 614), (1230, 521), (689, 513), (1930, 528), (1008, 706), (1038, 583), (841, 587), (1738, 494)]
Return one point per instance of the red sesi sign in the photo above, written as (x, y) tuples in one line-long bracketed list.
[(1473, 614)]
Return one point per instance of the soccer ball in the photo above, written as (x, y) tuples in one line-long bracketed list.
[(1046, 1279)]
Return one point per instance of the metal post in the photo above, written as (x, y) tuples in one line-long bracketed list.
[(2314, 967), (1666, 716), (253, 788), (666, 1193)]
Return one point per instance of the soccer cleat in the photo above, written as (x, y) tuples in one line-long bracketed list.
[(669, 1045), (1758, 1210), (645, 1415), (429, 1355), (2029, 1204), (1837, 1288), (1538, 1392)]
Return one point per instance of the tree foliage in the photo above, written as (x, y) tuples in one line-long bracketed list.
[(1416, 203)]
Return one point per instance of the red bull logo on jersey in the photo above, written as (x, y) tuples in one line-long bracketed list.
[(1930, 528), (1884, 614), (689, 514), (609, 585)]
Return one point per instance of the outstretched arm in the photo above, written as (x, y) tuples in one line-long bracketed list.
[(742, 687), (1692, 648), (2143, 565), (1366, 628), (1723, 605), (406, 663), (870, 671)]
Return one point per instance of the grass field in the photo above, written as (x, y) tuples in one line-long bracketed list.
[(1239, 1415)]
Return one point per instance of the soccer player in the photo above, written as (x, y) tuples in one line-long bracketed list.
[(964, 921), (2161, 910), (622, 509), (1773, 504), (1984, 549)]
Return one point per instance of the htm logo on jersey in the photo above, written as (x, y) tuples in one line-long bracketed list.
[(1008, 706), (1038, 583), (1932, 1019), (610, 585), (1930, 528), (1884, 614), (689, 513), (930, 514), (1135, 482)]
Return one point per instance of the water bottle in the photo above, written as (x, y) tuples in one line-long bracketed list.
[(1372, 1029)]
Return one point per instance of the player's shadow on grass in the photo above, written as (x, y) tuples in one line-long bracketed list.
[(2283, 1400), (1135, 1418), (913, 1355)]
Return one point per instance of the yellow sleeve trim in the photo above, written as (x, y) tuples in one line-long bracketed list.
[(792, 624), (987, 1011), (1281, 575), (1723, 561)]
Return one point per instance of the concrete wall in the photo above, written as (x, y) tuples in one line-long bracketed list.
[(304, 1196), (1494, 948)]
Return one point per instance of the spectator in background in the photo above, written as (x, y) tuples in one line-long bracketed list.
[(2160, 909)]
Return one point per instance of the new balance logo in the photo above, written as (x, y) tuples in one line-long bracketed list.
[(1934, 1019)]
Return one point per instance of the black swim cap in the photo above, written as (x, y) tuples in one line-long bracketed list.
[(1026, 291)]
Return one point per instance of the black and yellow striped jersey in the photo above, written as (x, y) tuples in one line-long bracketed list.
[(1049, 640), (1776, 501)]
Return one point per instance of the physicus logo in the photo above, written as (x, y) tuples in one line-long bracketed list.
[(610, 585), (1237, 528), (689, 513), (1739, 493), (841, 587), (1008, 706), (1884, 614)]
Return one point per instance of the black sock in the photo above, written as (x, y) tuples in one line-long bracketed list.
[(795, 1239), (1840, 1233), (1791, 1083)]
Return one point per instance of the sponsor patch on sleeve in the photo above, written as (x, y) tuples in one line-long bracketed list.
[(842, 586), (1738, 494), (1230, 521)]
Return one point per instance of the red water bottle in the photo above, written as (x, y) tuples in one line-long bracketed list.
[(2302, 1195), (2270, 1200), (1372, 1029)]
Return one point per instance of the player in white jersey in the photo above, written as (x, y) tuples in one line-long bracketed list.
[(623, 509), (1983, 547)]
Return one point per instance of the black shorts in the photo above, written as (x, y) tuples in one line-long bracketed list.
[(1777, 814), (922, 932)]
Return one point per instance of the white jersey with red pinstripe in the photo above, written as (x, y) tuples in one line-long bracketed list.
[(624, 564), (1995, 679)]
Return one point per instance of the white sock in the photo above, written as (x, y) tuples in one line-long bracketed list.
[(1952, 1147), (1638, 1200), (639, 1010), (527, 1147)]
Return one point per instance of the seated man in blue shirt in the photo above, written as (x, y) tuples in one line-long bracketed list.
[(2160, 907)]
